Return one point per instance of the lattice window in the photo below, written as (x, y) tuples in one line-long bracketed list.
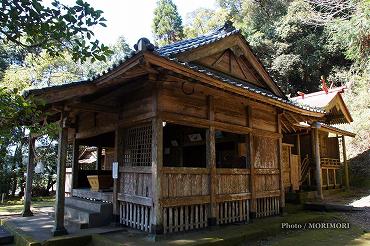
[(138, 146)]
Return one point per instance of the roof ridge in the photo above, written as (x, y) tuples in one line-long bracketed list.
[(318, 93), (227, 27), (192, 43)]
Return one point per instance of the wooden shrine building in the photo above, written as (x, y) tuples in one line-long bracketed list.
[(197, 129)]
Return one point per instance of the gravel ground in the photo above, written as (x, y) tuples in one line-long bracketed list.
[(361, 219), (356, 198)]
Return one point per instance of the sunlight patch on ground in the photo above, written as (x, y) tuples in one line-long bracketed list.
[(362, 202)]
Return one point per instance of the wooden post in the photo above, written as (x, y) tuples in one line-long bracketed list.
[(299, 146), (253, 202), (327, 179), (98, 158), (345, 162), (318, 176), (75, 167), (280, 161), (211, 163), (30, 166), (59, 228), (157, 162), (118, 157)]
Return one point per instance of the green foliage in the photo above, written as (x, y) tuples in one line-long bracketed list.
[(32, 25), (295, 53), (167, 23), (354, 34), (119, 49), (15, 111), (204, 20), (44, 70), (358, 102)]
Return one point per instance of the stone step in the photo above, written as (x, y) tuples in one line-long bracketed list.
[(96, 206), (71, 222), (74, 223), (5, 236), (92, 218), (83, 215)]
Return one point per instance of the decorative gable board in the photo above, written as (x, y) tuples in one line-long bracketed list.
[(236, 56), (232, 64)]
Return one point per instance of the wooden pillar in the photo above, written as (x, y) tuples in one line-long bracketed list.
[(30, 166), (298, 143), (75, 167), (327, 179), (59, 228), (280, 162), (316, 144), (98, 158), (253, 201), (211, 163), (345, 163), (157, 162), (118, 157)]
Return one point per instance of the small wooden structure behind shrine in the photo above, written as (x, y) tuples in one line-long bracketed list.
[(299, 156), (196, 128)]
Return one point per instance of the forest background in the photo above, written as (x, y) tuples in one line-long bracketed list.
[(300, 42)]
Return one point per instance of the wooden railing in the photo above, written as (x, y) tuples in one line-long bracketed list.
[(184, 182), (268, 206), (330, 162), (331, 176), (183, 218), (233, 211), (134, 215), (232, 181)]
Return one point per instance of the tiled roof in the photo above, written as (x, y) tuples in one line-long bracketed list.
[(170, 50), (319, 99), (193, 43), (337, 130)]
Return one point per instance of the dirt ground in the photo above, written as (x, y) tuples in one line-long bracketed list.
[(357, 234), (358, 198)]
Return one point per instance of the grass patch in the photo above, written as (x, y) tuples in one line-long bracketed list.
[(14, 206)]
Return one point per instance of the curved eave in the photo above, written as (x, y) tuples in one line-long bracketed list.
[(336, 130), (338, 99), (64, 92)]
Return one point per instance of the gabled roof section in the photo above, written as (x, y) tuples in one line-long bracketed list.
[(224, 50), (244, 85), (139, 63), (331, 102)]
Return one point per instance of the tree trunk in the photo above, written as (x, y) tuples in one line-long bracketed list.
[(14, 186), (14, 166)]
